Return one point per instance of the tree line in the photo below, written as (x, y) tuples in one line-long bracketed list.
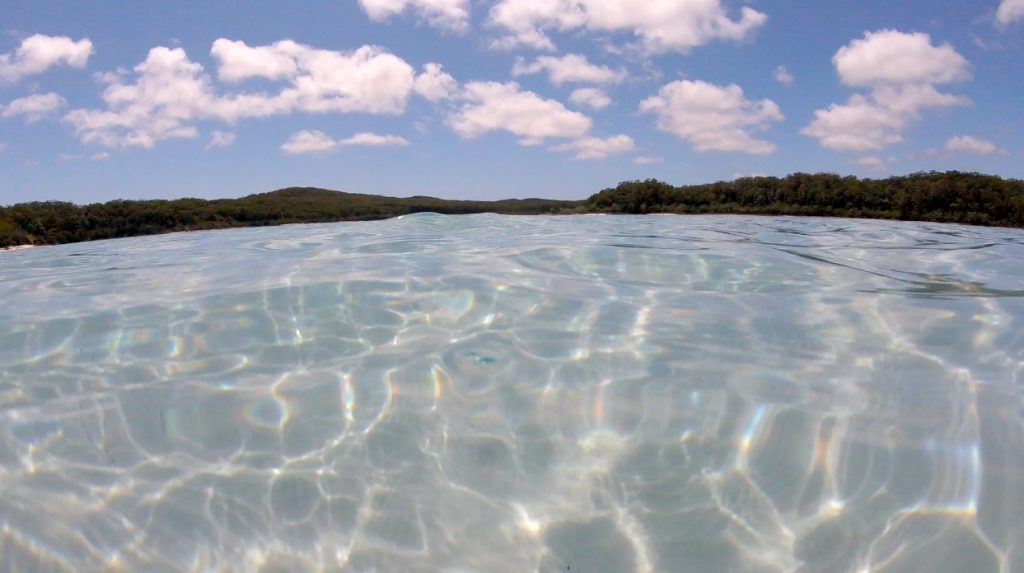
[(56, 222), (950, 197)]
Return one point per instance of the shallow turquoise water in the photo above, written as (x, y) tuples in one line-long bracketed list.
[(509, 394)]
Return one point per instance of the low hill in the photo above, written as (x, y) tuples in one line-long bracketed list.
[(55, 222), (950, 197)]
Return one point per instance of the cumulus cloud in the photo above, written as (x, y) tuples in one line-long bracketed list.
[(901, 71), (646, 160), (860, 124), (659, 25), (221, 139), (374, 140), (907, 100), (972, 145), (493, 106), (782, 75), (308, 141), (890, 56), (1010, 11), (596, 147), (170, 91), (434, 84), (238, 61), (490, 106), (712, 117), (591, 97), (38, 53), (571, 68), (33, 107), (444, 14), (167, 93), (367, 80)]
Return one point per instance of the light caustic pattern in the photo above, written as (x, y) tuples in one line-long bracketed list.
[(502, 394)]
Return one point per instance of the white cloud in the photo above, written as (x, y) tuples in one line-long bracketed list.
[(597, 148), (38, 53), (237, 61), (492, 106), (782, 75), (571, 68), (592, 97), (221, 139), (33, 107), (659, 25), (374, 140), (434, 84), (889, 56), (858, 125), (367, 80), (99, 156), (872, 162), (308, 141), (316, 141), (908, 100), (169, 92), (972, 145), (901, 71), (444, 14), (1010, 11), (712, 117), (646, 160), (871, 123)]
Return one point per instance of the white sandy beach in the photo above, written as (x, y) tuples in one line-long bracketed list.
[(16, 248)]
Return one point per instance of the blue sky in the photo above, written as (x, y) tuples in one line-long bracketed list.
[(496, 98)]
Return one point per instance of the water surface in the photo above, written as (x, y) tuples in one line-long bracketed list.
[(517, 394)]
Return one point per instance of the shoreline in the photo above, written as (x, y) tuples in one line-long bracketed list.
[(16, 248)]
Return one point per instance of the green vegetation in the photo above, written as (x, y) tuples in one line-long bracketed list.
[(951, 197), (53, 222)]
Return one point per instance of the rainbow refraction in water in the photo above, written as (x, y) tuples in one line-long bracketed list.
[(510, 394)]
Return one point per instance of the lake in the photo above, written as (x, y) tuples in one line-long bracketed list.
[(517, 394)]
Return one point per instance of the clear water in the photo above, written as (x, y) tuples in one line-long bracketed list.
[(508, 394)]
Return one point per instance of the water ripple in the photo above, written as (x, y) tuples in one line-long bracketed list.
[(490, 393)]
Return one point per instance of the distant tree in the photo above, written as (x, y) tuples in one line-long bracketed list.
[(953, 197), (944, 197), (60, 222)]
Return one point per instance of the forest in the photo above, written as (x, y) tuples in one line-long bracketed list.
[(56, 222), (950, 197)]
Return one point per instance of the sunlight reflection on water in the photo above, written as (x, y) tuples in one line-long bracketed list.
[(491, 393)]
